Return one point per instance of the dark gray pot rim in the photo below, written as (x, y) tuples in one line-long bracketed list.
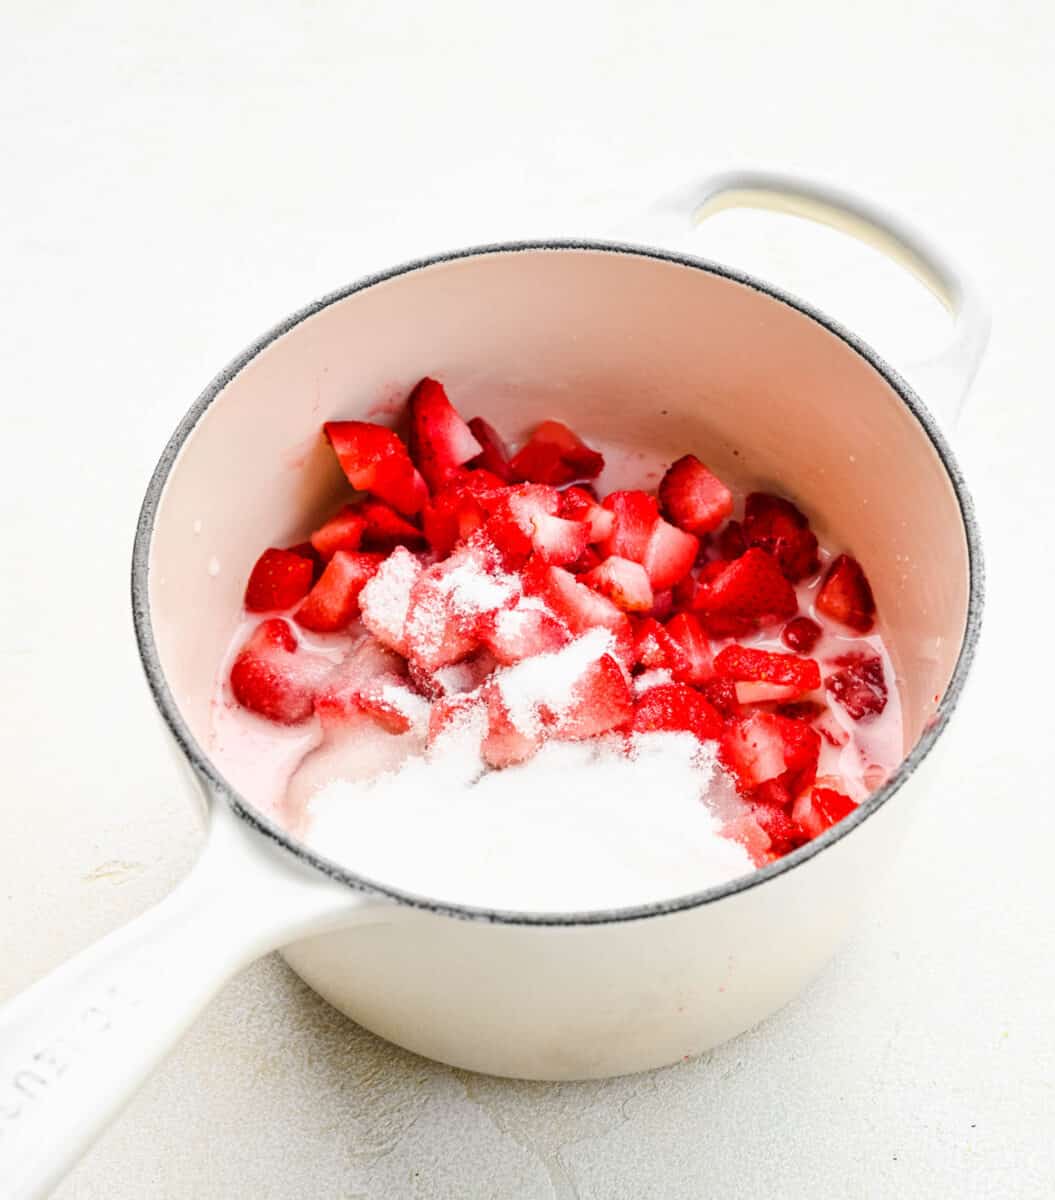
[(218, 786)]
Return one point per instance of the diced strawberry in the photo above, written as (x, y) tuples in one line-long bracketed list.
[(598, 701), (625, 583), (439, 440), (386, 598), (772, 793), (586, 561), (859, 686), (529, 629), (722, 694), (662, 604), (308, 551), (576, 504), (801, 634), (802, 710), (394, 706), (683, 594), (634, 515), (337, 700), (343, 531), (385, 528), (730, 542), (515, 520), (279, 580), (555, 455), (557, 540), (455, 512), (669, 555), (272, 677), (452, 711), (827, 725), (677, 707), (455, 678), (685, 630), (493, 456), (655, 649), (818, 810), (784, 834), (846, 596), (375, 460), (778, 527), (754, 692), (751, 589), (765, 746), (334, 600), (745, 663), (580, 607), (505, 744), (693, 498)]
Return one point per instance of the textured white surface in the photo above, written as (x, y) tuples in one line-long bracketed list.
[(178, 178)]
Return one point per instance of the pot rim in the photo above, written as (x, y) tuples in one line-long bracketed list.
[(218, 786)]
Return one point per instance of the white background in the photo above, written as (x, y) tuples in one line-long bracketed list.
[(175, 178)]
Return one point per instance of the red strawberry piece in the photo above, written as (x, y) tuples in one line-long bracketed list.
[(634, 515), (722, 694), (344, 531), (846, 596), (385, 528), (683, 594), (676, 707), (751, 588), (765, 746), (662, 604), (687, 633), (730, 542), (693, 498), (818, 810), (452, 711), (625, 583), (493, 456), (308, 551), (334, 600), (773, 793), (512, 523), (859, 686), (375, 460), (802, 710), (455, 512), (580, 607), (555, 455), (272, 677), (505, 743), (455, 678), (386, 598), (557, 540), (586, 561), (784, 835), (778, 527), (756, 692), (439, 440), (801, 634), (394, 706), (655, 649), (669, 555), (577, 504), (279, 580), (529, 629), (337, 700), (745, 663), (599, 701)]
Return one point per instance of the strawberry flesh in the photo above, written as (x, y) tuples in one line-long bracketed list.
[(859, 686), (269, 678), (679, 708), (801, 634), (280, 579), (493, 456), (375, 460), (745, 663), (343, 531), (555, 455), (334, 600), (669, 555), (775, 525), (634, 515), (439, 440), (750, 589), (625, 583), (846, 595), (694, 498)]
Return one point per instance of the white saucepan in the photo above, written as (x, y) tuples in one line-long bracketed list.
[(599, 334)]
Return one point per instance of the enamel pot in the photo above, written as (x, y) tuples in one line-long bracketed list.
[(630, 344)]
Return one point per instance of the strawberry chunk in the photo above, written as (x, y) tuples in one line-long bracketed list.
[(765, 746), (576, 504), (669, 555), (529, 629), (775, 525), (580, 607), (439, 440), (688, 634), (456, 711), (394, 706), (634, 514), (756, 692), (344, 531), (801, 635), (280, 579), (557, 540), (384, 528), (272, 677), (386, 598), (555, 455), (337, 700), (722, 694), (599, 701), (493, 456), (730, 543), (677, 707), (516, 520), (846, 595), (693, 498), (749, 589), (655, 649), (375, 460), (505, 744), (586, 561), (455, 678), (334, 599), (859, 686), (745, 663), (625, 583), (784, 834), (818, 810), (455, 512)]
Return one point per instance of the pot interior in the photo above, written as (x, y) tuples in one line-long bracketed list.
[(629, 348)]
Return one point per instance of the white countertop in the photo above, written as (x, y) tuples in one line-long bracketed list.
[(179, 177)]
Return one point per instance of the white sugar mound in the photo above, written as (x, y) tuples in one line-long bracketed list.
[(581, 826)]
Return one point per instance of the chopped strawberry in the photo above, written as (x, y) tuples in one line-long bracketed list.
[(693, 498), (755, 692), (308, 551), (860, 686), (529, 629), (375, 460), (625, 583), (279, 580), (577, 504), (386, 598), (493, 456), (455, 678), (515, 521), (334, 600), (557, 540), (456, 511), (555, 455), (820, 809), (598, 701), (662, 604), (337, 700), (749, 589), (272, 677), (634, 515), (683, 594), (669, 555), (744, 663), (765, 746), (846, 596), (394, 706), (686, 631), (505, 743), (655, 649), (344, 531), (385, 528), (784, 834), (778, 527), (439, 440), (801, 634), (802, 710), (677, 707), (730, 542), (722, 694), (579, 606), (452, 711), (586, 561)]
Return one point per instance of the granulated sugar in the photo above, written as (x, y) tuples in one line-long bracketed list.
[(544, 683), (582, 825)]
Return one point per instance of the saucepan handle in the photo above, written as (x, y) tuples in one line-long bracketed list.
[(75, 1046), (944, 378)]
